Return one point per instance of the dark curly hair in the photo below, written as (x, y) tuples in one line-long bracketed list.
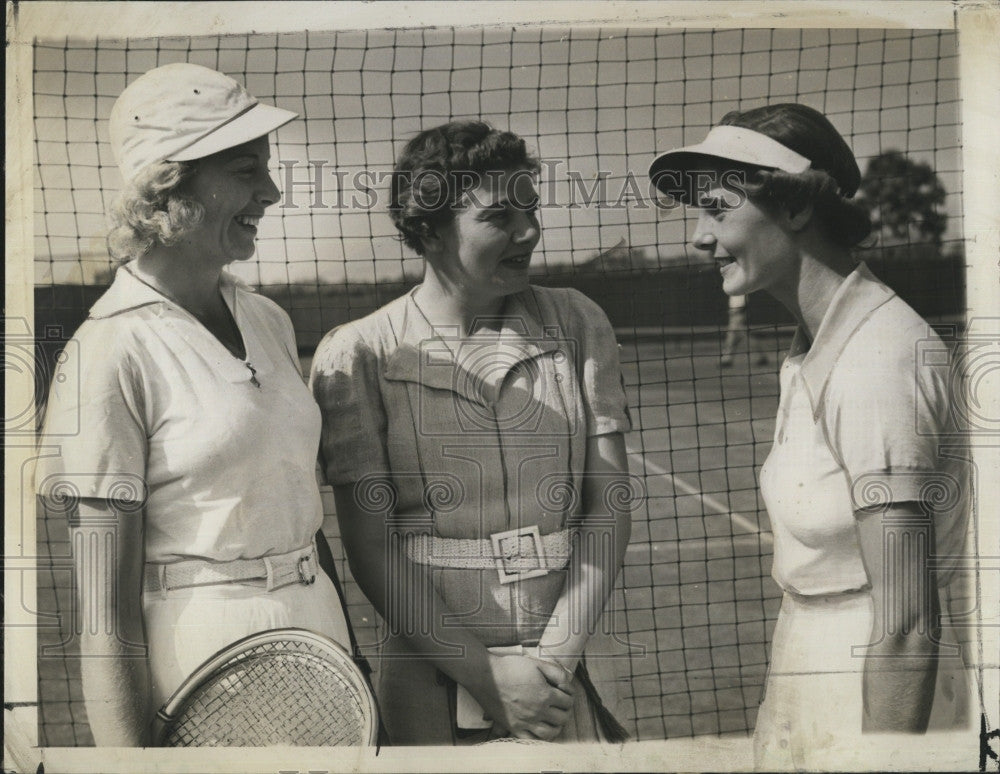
[(439, 165), (831, 180)]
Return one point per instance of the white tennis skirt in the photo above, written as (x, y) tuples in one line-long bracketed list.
[(186, 626), (812, 705)]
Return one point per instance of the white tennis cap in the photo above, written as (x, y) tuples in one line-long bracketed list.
[(183, 111), (732, 143)]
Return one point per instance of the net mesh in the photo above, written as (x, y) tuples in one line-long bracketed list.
[(284, 692), (695, 600)]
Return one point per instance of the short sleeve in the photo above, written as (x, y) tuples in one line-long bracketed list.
[(94, 441), (601, 381), (885, 415), (344, 382)]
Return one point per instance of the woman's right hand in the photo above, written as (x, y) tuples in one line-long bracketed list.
[(530, 699)]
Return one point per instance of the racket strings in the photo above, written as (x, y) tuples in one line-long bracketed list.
[(285, 693)]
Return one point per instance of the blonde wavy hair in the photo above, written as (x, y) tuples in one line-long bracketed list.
[(152, 209)]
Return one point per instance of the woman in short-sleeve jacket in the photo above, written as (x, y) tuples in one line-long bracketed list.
[(859, 497), (473, 433)]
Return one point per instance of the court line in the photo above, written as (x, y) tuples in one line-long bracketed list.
[(719, 507)]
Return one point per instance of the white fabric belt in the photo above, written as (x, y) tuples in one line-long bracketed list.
[(271, 572), (516, 550)]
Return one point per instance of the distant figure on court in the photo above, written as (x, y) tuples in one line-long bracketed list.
[(472, 432), (854, 477), (738, 333), (187, 457)]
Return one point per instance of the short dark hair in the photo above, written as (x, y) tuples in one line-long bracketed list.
[(833, 176), (441, 164)]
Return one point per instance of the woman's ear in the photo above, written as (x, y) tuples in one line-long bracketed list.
[(797, 215)]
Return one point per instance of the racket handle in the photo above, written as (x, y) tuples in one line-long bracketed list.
[(158, 727)]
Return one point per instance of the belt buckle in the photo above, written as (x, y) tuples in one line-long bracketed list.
[(510, 557), (307, 574)]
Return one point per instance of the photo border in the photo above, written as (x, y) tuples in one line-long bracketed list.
[(978, 25)]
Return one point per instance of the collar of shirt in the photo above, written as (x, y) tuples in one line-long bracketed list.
[(858, 296), (127, 293), (473, 367)]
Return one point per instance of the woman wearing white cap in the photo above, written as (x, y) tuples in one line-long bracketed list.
[(188, 452), (855, 464)]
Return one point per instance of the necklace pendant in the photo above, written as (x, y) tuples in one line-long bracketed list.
[(253, 374)]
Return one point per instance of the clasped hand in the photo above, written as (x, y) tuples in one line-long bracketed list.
[(531, 699)]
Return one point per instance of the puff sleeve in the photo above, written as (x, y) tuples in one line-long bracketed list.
[(344, 381), (601, 381)]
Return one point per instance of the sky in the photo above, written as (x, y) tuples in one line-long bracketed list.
[(589, 102)]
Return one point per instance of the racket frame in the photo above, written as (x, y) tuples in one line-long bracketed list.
[(334, 652)]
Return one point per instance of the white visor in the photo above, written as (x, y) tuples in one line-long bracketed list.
[(732, 143)]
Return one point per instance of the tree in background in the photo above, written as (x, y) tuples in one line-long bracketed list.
[(903, 197)]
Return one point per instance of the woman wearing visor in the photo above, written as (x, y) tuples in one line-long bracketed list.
[(187, 451), (473, 434), (854, 476)]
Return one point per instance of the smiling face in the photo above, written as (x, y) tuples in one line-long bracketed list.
[(752, 248), (485, 250), (235, 188)]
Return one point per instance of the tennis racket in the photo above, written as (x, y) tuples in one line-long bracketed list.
[(280, 687)]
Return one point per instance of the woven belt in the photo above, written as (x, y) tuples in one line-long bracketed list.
[(516, 554), (271, 572)]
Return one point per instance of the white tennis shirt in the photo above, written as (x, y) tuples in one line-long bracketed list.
[(148, 398), (864, 417)]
